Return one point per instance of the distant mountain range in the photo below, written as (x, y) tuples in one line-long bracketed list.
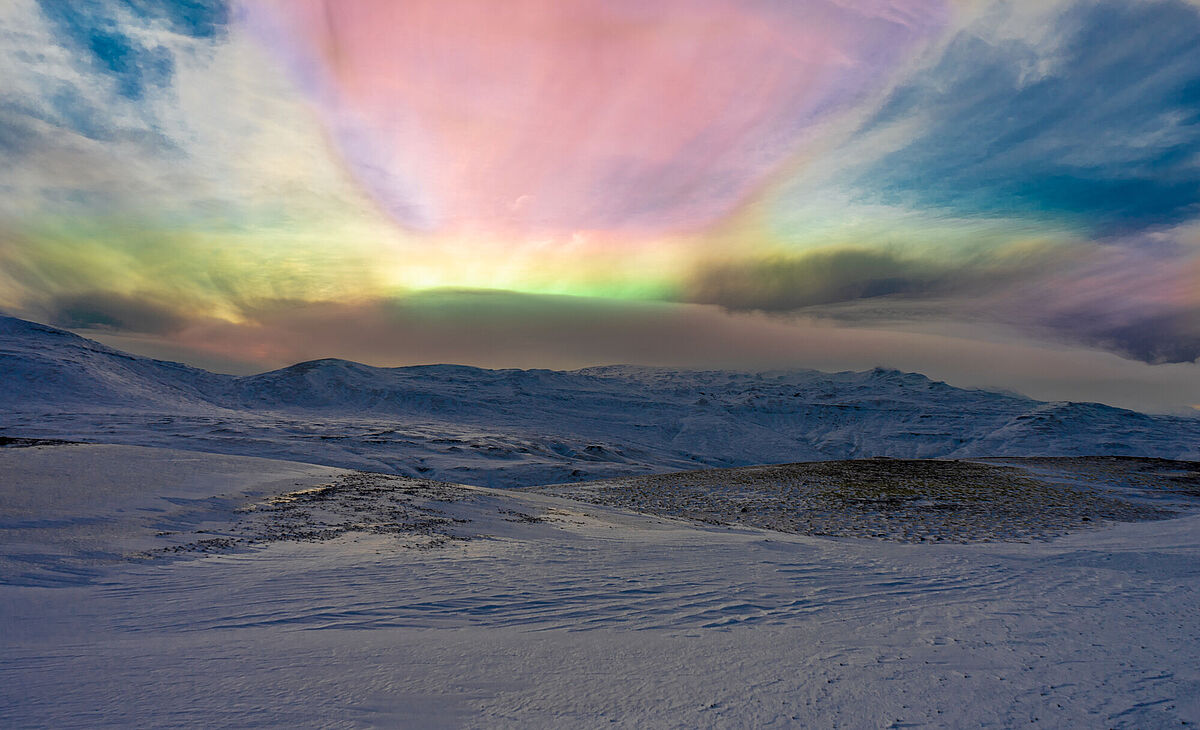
[(523, 427)]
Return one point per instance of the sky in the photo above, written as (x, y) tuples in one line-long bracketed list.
[(996, 193)]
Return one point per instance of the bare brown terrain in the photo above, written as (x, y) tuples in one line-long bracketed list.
[(913, 500)]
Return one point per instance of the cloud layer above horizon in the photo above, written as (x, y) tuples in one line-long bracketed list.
[(251, 183)]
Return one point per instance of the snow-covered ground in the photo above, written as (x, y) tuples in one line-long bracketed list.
[(510, 428), (227, 591)]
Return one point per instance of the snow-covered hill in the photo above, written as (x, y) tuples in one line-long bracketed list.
[(46, 366), (520, 427)]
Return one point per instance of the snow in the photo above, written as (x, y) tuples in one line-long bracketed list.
[(540, 611), (508, 428), (213, 560), (60, 524)]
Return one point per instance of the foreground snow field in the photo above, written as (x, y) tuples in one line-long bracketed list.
[(175, 589)]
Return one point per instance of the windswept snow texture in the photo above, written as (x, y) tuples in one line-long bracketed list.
[(522, 427), (415, 604)]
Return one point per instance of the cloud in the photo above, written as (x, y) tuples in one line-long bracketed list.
[(108, 311), (105, 36), (1097, 120), (17, 132), (1155, 335), (1039, 169), (155, 113), (615, 114), (783, 283), (1167, 337), (1133, 296), (1124, 297)]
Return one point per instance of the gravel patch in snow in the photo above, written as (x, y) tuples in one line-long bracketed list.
[(356, 502), (902, 500)]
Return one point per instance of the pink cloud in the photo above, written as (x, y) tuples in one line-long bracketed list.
[(596, 114)]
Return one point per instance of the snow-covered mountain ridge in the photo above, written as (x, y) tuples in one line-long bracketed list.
[(521, 427)]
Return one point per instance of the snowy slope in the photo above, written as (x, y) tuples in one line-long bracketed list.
[(46, 366), (520, 427)]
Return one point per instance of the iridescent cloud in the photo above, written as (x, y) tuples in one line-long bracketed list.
[(581, 115), (909, 183)]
